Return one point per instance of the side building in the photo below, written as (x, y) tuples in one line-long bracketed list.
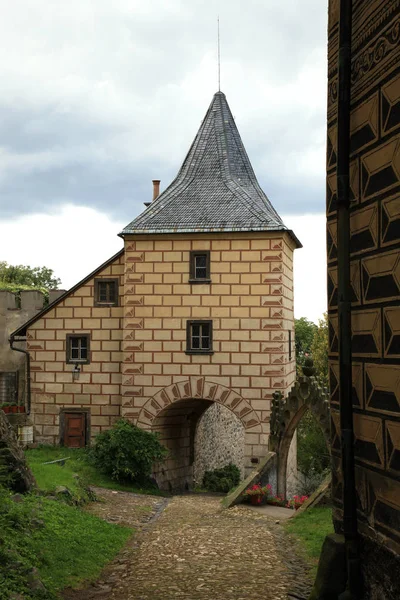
[(195, 313)]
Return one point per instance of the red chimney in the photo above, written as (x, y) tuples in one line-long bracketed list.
[(156, 188)]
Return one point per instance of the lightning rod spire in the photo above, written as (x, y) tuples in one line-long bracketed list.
[(219, 59)]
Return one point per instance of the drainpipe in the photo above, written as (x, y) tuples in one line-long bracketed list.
[(354, 578), (27, 372)]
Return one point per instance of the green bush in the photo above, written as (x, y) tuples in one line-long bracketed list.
[(126, 452), (222, 480)]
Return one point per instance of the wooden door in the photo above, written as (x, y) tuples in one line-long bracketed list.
[(74, 431)]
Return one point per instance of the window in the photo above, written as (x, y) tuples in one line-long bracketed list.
[(199, 337), (106, 292), (200, 267), (8, 387), (78, 348), (290, 344)]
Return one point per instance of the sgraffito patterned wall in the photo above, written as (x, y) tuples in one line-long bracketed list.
[(375, 261)]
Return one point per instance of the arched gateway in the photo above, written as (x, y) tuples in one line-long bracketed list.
[(174, 412), (306, 394)]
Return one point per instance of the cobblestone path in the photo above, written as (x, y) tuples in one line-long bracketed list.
[(197, 551)]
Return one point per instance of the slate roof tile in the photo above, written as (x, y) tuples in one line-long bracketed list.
[(216, 188)]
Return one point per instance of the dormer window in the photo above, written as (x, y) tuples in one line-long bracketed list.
[(200, 267), (106, 292)]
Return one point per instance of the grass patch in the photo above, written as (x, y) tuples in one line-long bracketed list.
[(66, 545), (310, 529), (48, 477)]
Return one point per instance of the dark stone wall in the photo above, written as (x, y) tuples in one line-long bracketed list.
[(375, 274)]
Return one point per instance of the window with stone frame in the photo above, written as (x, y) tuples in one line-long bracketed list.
[(106, 292), (200, 266), (78, 348), (199, 337)]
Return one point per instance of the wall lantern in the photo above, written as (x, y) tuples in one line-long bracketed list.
[(76, 372)]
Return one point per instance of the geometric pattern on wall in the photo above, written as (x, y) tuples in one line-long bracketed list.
[(393, 446), (331, 188), (368, 443), (381, 277), (382, 388), (364, 233), (391, 326), (384, 503), (333, 335), (354, 281), (335, 430), (357, 383), (366, 333), (390, 221), (364, 124), (375, 266), (331, 240), (380, 169), (331, 146), (390, 109)]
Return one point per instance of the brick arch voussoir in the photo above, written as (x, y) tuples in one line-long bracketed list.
[(199, 388)]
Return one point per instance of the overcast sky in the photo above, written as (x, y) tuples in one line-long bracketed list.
[(99, 97)]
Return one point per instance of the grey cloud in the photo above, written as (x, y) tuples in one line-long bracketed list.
[(98, 101)]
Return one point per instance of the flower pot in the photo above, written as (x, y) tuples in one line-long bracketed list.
[(255, 500), (21, 409), (14, 409), (6, 409)]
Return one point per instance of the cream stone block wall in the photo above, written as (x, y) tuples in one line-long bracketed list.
[(250, 302), (98, 386)]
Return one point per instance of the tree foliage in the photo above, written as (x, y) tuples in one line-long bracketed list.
[(313, 339), (28, 277), (312, 453), (319, 350), (313, 456), (304, 333)]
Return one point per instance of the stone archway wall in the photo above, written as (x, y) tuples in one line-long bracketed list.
[(219, 441), (306, 394), (175, 412)]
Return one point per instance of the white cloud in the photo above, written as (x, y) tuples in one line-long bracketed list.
[(73, 241), (310, 292)]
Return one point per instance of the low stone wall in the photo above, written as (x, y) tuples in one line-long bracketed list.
[(219, 441)]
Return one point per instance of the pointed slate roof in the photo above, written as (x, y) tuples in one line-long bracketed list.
[(215, 190)]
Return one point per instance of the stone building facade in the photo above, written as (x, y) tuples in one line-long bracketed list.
[(375, 259), (15, 310), (196, 309)]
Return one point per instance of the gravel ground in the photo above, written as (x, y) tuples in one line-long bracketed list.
[(189, 548)]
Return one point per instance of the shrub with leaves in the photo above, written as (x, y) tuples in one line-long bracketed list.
[(222, 480), (126, 452)]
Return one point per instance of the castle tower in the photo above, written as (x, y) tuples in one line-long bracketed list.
[(208, 300)]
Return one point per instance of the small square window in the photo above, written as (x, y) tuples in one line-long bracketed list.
[(199, 337), (78, 348), (106, 292), (200, 267)]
